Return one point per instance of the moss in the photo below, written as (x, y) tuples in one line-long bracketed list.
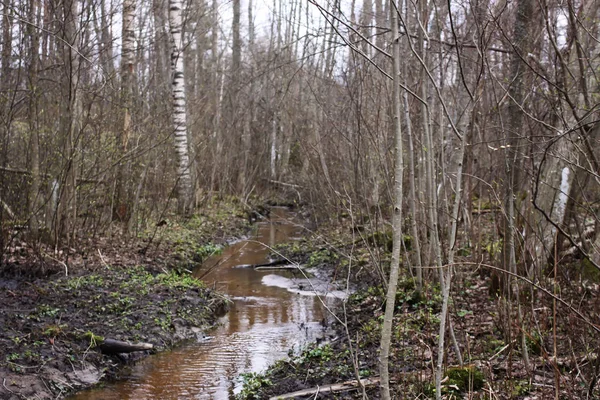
[(464, 378), (93, 338)]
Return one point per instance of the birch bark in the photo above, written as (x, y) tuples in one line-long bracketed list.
[(184, 181)]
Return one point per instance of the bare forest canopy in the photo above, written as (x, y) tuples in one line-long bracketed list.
[(118, 111)]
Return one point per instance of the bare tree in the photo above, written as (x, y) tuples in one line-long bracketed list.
[(386, 330)]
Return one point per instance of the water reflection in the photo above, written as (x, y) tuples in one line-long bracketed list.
[(264, 322)]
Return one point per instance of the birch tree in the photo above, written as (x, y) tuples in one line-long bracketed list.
[(184, 179), (122, 211)]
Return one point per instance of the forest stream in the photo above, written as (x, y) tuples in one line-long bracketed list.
[(272, 312)]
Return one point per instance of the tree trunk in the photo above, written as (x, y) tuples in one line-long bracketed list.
[(72, 120), (386, 330), (184, 180), (34, 190), (122, 202)]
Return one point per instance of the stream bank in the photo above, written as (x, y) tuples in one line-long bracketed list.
[(136, 290), (275, 309), (493, 366)]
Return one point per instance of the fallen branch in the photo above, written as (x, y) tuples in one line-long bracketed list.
[(111, 346), (275, 267), (338, 387), (269, 264)]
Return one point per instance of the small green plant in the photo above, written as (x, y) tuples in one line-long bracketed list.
[(205, 251), (185, 281), (164, 323), (318, 353), (320, 257), (85, 281), (46, 311), (54, 330), (252, 385)]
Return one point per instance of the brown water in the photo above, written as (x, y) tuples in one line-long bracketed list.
[(272, 312)]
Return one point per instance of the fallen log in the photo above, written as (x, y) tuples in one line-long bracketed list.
[(337, 387), (111, 347)]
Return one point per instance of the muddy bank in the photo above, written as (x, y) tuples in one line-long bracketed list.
[(51, 330), (136, 290)]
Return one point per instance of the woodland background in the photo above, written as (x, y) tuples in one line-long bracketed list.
[(115, 113)]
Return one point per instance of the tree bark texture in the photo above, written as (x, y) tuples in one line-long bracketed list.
[(184, 180), (386, 330)]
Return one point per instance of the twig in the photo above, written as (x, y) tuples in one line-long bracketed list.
[(501, 350), (58, 261), (317, 394), (103, 260), (4, 384)]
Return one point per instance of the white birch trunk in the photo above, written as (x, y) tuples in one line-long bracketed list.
[(554, 190), (184, 182)]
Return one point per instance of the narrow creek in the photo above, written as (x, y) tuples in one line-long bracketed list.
[(271, 313)]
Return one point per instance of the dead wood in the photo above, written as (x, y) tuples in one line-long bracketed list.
[(338, 387), (111, 346), (269, 264), (275, 267)]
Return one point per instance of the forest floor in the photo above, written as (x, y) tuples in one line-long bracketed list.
[(488, 337), (138, 291), (57, 309)]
